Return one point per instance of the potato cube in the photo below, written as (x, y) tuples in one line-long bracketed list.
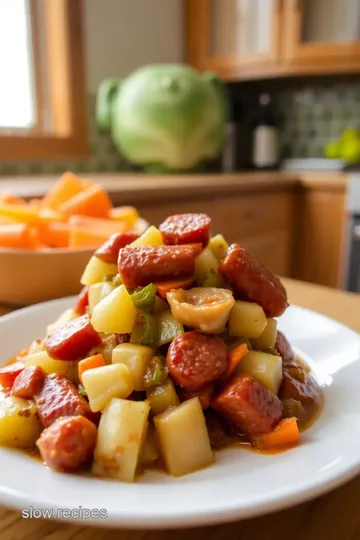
[(36, 346), (149, 452), (183, 437), (218, 246), (96, 270), (267, 338), (247, 319), (266, 368), (162, 397), (65, 317), (49, 365), (114, 314), (106, 382), (95, 292), (121, 434), (151, 237), (107, 288), (20, 426), (136, 358)]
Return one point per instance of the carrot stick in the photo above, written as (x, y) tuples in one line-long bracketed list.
[(93, 201), (285, 434), (55, 234), (234, 358), (90, 363), (166, 286), (82, 238), (11, 199), (20, 212), (127, 214), (66, 187), (15, 236), (97, 225)]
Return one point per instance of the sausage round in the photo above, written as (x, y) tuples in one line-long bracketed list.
[(82, 301), (195, 360), (253, 282), (68, 444), (248, 405), (72, 340), (28, 382), (186, 229), (139, 266), (9, 373), (299, 385), (283, 347), (109, 251)]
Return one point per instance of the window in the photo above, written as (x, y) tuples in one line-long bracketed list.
[(42, 91)]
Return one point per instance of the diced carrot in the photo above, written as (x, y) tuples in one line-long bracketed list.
[(90, 363), (93, 201), (285, 434), (24, 213), (65, 188), (34, 238), (127, 214), (234, 358), (99, 225), (81, 238), (55, 234), (11, 199), (166, 286), (15, 236), (85, 182)]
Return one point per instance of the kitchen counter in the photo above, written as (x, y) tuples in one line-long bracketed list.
[(335, 515)]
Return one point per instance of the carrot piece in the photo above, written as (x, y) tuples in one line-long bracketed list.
[(127, 214), (285, 434), (99, 225), (11, 199), (24, 213), (85, 182), (4, 220), (34, 238), (65, 188), (234, 358), (93, 201), (164, 287), (80, 238), (15, 236), (47, 215), (55, 234), (90, 363)]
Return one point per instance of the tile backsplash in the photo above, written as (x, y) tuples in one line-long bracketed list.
[(312, 115), (103, 155)]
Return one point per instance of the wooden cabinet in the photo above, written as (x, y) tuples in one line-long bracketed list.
[(244, 39), (262, 222)]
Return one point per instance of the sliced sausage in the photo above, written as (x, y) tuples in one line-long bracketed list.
[(82, 301), (195, 360), (205, 395), (109, 251), (299, 385), (72, 340), (139, 266), (9, 373), (58, 397), (253, 282), (186, 229), (68, 444), (219, 432), (248, 405), (28, 382), (283, 347)]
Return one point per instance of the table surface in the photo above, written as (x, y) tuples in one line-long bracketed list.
[(333, 516)]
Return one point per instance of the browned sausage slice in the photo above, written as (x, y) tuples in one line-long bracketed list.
[(195, 360), (248, 405), (109, 251), (72, 340), (283, 347), (186, 229), (68, 444), (253, 282), (28, 382)]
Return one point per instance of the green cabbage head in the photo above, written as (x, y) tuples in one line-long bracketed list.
[(164, 117)]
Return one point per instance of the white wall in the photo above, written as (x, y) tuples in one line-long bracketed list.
[(122, 35)]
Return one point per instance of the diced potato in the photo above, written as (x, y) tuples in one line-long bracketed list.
[(247, 319), (65, 317), (266, 368), (150, 449), (218, 246), (106, 382), (136, 358), (127, 214), (114, 314), (107, 288), (162, 397), (96, 270), (183, 437), (207, 270), (121, 434), (49, 365), (20, 426), (36, 346), (267, 338), (151, 237), (95, 292)]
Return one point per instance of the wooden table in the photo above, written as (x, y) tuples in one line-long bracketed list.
[(333, 516)]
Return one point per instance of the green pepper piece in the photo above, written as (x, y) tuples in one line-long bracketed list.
[(145, 329), (145, 297), (82, 390), (156, 372), (168, 328)]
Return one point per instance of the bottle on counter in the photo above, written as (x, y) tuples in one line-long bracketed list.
[(266, 136)]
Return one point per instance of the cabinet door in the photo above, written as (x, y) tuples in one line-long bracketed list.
[(224, 34), (327, 30)]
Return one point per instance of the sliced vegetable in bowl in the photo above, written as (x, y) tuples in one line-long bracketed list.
[(151, 351)]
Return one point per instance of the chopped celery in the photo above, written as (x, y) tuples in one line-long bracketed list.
[(156, 373), (145, 297), (168, 328), (145, 329)]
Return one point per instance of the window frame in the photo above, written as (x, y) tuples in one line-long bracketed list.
[(64, 63)]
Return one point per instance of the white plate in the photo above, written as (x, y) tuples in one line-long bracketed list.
[(241, 484)]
